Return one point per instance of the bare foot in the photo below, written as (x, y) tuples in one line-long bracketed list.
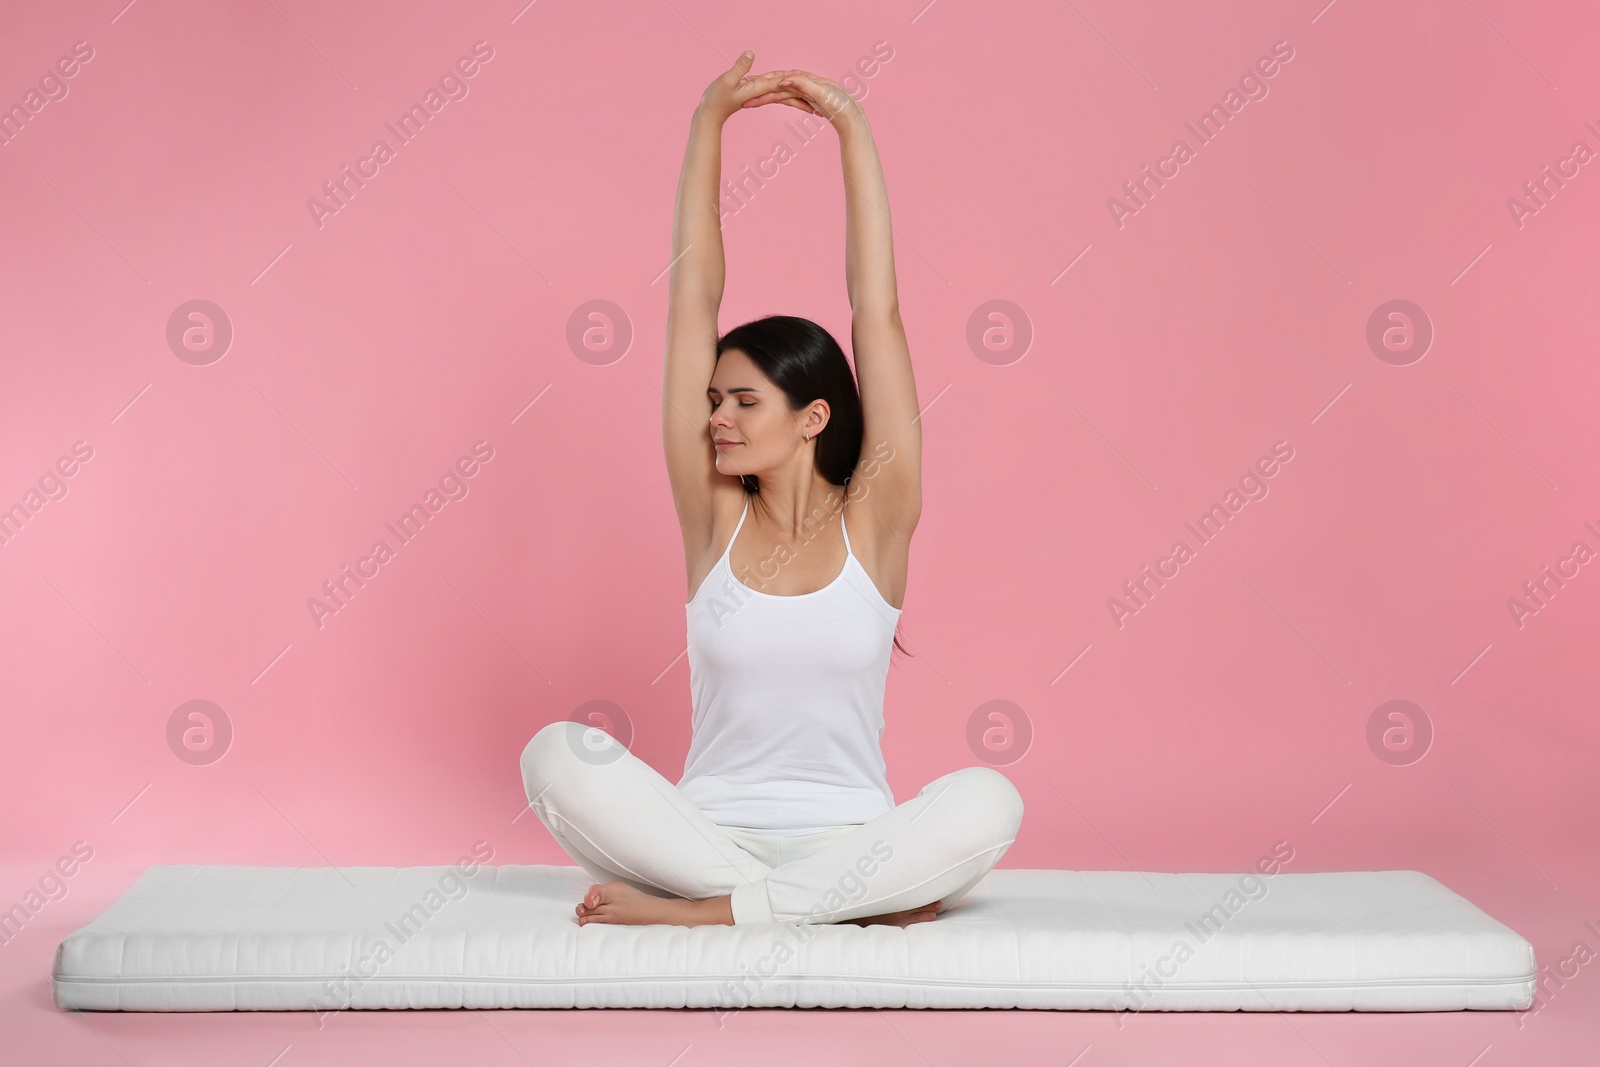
[(901, 918), (619, 902)]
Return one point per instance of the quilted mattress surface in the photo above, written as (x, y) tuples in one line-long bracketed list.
[(226, 938)]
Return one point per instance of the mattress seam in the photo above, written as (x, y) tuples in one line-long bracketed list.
[(808, 977)]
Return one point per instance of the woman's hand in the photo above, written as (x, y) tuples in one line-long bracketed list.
[(817, 95), (736, 88)]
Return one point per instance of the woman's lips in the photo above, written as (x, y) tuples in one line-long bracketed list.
[(723, 446)]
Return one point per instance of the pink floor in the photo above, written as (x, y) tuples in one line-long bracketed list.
[(1566, 1030)]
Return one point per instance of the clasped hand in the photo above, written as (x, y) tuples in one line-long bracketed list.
[(737, 89)]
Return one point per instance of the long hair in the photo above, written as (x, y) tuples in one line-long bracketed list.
[(804, 360)]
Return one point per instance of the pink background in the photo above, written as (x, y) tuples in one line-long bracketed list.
[(1167, 355)]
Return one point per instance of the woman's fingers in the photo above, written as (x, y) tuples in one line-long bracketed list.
[(795, 88), (808, 92), (799, 102), (761, 89), (826, 98), (722, 97), (788, 95), (756, 87), (802, 78), (758, 83), (740, 65), (776, 96)]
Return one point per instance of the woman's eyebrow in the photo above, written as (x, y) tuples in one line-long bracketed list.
[(735, 389)]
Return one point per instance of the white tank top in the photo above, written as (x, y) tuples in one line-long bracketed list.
[(788, 701)]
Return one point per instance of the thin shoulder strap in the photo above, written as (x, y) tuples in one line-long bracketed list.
[(728, 552), (847, 550)]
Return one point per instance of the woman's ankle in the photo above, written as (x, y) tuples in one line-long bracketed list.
[(716, 911)]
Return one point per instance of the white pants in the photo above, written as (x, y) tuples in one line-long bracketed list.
[(622, 821)]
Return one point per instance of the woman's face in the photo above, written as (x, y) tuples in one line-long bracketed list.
[(751, 414)]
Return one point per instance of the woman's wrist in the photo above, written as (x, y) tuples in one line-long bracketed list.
[(844, 112), (853, 123), (705, 118)]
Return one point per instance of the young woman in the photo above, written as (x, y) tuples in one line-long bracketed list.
[(780, 470)]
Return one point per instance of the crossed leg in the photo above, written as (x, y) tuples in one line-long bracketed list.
[(622, 821)]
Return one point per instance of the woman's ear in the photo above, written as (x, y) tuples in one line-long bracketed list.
[(817, 419)]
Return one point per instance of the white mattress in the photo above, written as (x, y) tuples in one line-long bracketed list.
[(227, 938)]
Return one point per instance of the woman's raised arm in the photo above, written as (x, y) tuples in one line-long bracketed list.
[(892, 495), (694, 295)]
